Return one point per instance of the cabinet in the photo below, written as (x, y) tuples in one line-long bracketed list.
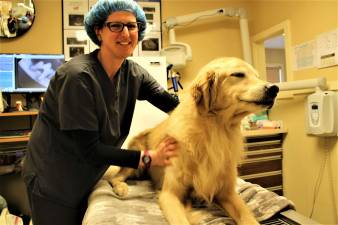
[(16, 121), (263, 164), (14, 136)]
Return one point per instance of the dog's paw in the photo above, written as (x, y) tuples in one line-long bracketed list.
[(121, 189)]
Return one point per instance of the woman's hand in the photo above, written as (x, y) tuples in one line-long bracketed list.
[(165, 150), (161, 156)]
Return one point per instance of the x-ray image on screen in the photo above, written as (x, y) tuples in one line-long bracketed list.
[(35, 73)]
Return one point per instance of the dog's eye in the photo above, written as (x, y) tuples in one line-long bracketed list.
[(239, 75)]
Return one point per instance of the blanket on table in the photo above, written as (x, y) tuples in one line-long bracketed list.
[(140, 206)]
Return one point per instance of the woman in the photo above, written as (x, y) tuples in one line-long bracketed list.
[(86, 115)]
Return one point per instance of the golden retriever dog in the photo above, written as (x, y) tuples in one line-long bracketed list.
[(206, 125)]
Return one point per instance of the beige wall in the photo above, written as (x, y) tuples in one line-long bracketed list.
[(304, 155), (307, 20), (221, 37), (45, 36), (208, 38)]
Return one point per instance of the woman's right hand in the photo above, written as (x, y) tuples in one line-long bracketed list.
[(161, 156)]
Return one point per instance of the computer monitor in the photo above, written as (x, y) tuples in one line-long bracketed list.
[(34, 71), (7, 73)]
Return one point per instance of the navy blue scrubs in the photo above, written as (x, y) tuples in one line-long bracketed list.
[(82, 123)]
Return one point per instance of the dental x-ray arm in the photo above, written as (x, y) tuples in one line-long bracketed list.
[(173, 22)]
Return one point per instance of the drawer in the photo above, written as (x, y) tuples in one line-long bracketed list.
[(11, 157), (264, 138), (261, 153), (266, 180), (12, 146), (261, 146), (265, 142), (260, 165)]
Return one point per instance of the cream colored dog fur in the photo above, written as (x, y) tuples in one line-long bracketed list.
[(206, 125)]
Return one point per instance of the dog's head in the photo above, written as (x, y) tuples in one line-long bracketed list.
[(231, 86)]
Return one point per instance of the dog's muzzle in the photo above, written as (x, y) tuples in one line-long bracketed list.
[(271, 92), (267, 99)]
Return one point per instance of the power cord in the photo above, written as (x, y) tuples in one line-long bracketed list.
[(326, 158), (333, 190), (318, 182)]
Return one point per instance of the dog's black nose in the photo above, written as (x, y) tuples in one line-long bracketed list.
[(271, 90)]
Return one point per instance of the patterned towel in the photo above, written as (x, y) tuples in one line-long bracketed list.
[(140, 207)]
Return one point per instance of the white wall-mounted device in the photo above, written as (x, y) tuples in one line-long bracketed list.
[(321, 108), (322, 113)]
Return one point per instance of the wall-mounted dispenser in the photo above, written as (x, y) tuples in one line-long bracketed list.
[(322, 113), (321, 108)]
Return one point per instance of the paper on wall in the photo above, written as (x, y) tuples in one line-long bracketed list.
[(327, 49), (304, 55)]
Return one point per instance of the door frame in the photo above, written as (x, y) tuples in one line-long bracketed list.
[(258, 49)]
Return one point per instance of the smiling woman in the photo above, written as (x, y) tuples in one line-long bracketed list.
[(104, 86), (16, 18)]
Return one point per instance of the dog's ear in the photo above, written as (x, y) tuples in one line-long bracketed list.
[(204, 93)]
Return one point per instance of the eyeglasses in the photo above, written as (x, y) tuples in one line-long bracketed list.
[(118, 26)]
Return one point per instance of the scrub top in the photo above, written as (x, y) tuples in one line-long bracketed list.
[(81, 97)]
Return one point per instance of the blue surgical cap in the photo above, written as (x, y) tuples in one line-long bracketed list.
[(99, 13)]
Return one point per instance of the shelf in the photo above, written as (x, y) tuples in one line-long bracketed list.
[(14, 139), (23, 113), (263, 132)]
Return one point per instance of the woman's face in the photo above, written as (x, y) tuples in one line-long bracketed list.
[(120, 44)]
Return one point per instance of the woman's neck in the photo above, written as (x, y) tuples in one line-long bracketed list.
[(110, 64)]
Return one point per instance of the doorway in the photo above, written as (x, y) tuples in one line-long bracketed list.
[(275, 59), (272, 53)]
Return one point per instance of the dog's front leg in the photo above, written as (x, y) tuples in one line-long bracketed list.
[(172, 208), (170, 199), (237, 209), (120, 187)]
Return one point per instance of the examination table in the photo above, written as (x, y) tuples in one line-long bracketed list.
[(140, 206)]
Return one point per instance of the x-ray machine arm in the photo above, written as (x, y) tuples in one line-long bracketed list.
[(172, 22)]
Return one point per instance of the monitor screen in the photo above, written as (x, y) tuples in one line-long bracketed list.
[(33, 72), (7, 73)]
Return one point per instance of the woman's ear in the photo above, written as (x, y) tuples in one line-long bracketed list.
[(98, 33)]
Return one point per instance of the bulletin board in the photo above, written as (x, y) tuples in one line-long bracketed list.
[(76, 41)]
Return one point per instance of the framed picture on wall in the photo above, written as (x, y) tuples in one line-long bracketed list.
[(150, 45), (73, 13), (75, 43), (152, 12)]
